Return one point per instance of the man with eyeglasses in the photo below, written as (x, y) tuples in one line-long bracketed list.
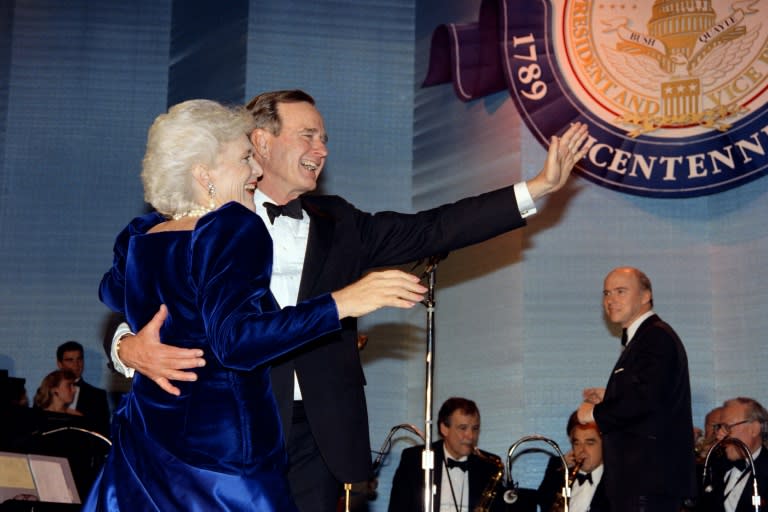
[(729, 479)]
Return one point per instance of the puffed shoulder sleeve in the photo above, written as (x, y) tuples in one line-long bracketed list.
[(231, 270), (112, 286)]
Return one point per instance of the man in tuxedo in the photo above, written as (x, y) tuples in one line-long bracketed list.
[(729, 480), (323, 243), (460, 474), (644, 413), (89, 400), (587, 487)]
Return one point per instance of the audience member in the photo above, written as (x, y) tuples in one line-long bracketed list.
[(644, 413), (729, 482), (462, 472), (89, 400), (587, 487)]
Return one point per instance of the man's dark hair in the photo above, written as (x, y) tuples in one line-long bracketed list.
[(453, 404), (68, 346), (263, 107)]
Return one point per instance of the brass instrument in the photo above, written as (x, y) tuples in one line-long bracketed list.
[(565, 492), (489, 493)]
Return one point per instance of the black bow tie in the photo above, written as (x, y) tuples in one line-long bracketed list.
[(290, 209), (461, 464), (583, 477), (624, 338), (740, 464)]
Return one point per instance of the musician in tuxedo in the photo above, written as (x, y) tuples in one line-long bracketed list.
[(460, 475), (587, 488), (644, 412), (89, 400), (322, 243), (729, 476)]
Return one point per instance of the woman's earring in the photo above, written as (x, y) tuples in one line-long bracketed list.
[(211, 195)]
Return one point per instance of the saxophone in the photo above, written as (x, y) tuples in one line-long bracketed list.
[(560, 498), (489, 493)]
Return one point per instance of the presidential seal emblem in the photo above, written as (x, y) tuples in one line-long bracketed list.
[(675, 91)]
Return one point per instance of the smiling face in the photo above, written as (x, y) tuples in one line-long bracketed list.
[(234, 173), (460, 434), (294, 158), (624, 298)]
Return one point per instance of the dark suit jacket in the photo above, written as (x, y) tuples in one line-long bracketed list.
[(552, 484), (407, 493), (713, 501), (344, 243), (645, 418), (92, 402)]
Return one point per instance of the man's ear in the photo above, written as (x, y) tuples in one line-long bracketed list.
[(260, 139)]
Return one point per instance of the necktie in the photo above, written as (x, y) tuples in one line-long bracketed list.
[(77, 383), (461, 464), (624, 338), (291, 209), (583, 477)]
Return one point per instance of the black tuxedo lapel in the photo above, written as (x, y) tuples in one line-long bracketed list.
[(319, 243)]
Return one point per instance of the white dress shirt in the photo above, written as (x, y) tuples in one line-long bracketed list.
[(454, 489), (735, 482), (581, 494)]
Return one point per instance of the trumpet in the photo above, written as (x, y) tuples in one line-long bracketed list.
[(489, 493)]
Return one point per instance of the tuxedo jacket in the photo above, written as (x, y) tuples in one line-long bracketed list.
[(552, 484), (645, 418), (92, 402), (343, 244), (407, 494), (713, 501)]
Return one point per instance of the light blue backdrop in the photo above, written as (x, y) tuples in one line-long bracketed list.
[(519, 325)]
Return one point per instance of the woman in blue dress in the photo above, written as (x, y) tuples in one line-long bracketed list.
[(207, 256)]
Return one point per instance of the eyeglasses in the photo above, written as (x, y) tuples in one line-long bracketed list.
[(728, 427)]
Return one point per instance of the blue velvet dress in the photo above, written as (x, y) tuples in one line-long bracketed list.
[(218, 446)]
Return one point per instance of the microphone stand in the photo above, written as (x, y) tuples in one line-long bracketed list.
[(748, 455), (428, 455), (510, 496)]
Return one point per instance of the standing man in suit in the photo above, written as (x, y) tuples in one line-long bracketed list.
[(644, 413), (322, 243), (730, 480), (460, 474), (587, 488), (89, 400)]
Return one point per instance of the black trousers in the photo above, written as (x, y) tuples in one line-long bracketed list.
[(313, 487)]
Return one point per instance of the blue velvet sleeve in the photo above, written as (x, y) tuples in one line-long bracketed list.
[(231, 267), (112, 286)]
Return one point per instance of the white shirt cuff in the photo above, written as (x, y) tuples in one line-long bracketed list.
[(524, 200), (119, 366)]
